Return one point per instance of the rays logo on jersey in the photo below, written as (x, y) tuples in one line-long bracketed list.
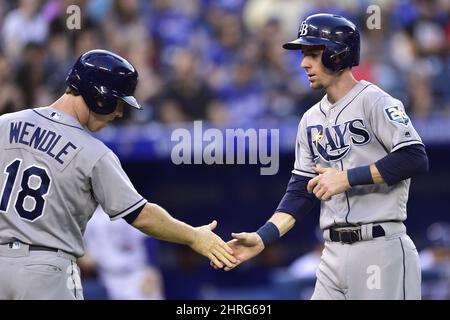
[(396, 114), (333, 143)]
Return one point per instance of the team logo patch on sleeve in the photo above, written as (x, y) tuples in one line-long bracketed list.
[(395, 114)]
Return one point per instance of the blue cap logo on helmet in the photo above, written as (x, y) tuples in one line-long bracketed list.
[(103, 78), (303, 31)]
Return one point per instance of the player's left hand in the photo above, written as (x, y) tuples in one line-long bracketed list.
[(245, 245), (328, 183)]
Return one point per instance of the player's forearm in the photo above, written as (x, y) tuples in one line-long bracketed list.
[(275, 227), (363, 175), (283, 221), (376, 175), (373, 176), (158, 223), (393, 168), (403, 163), (297, 201)]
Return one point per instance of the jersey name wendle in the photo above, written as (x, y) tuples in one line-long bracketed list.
[(40, 139)]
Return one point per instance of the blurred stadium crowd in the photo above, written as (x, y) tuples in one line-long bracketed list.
[(220, 60)]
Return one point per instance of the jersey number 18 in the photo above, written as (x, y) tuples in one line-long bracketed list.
[(35, 191)]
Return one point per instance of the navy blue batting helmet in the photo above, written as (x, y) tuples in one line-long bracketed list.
[(337, 35), (103, 78)]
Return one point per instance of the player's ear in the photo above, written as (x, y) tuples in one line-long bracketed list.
[(71, 91)]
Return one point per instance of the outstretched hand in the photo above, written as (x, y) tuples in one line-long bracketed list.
[(210, 245), (245, 246)]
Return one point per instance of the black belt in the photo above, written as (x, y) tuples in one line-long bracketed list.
[(349, 236), (41, 248), (36, 248)]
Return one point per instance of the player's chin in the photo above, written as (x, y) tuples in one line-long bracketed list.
[(315, 85)]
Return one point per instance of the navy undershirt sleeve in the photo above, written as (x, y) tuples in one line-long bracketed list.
[(133, 215), (297, 201), (403, 163)]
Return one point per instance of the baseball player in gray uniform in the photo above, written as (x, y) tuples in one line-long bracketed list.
[(356, 150), (53, 174)]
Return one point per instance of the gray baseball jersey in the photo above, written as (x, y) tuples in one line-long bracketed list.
[(53, 174), (359, 129)]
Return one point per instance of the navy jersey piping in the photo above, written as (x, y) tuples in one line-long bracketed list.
[(335, 122), (65, 124), (320, 108), (404, 269), (419, 142), (127, 208)]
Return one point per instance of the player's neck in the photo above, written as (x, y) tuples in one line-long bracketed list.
[(340, 87), (71, 105)]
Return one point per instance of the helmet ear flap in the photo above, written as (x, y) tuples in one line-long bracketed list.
[(73, 80), (335, 59), (340, 56), (99, 99), (327, 59)]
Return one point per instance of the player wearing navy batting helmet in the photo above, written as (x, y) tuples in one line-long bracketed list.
[(55, 174), (356, 151)]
